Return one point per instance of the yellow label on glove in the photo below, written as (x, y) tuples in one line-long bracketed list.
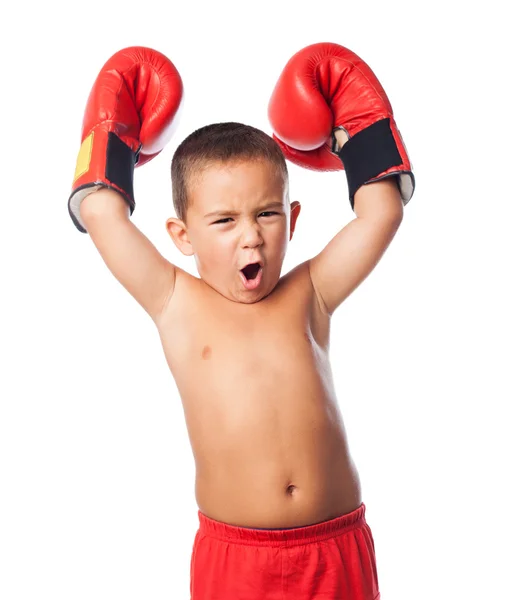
[(83, 158)]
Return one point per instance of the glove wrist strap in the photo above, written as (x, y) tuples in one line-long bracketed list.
[(104, 160), (369, 153)]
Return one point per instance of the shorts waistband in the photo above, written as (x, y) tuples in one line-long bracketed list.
[(282, 537)]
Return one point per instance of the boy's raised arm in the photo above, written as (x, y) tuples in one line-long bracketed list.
[(127, 252)]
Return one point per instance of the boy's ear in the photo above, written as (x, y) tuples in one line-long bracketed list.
[(179, 234), (295, 212)]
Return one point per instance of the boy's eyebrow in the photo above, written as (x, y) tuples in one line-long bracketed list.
[(233, 212)]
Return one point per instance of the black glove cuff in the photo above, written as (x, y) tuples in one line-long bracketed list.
[(119, 166), (120, 163), (369, 153)]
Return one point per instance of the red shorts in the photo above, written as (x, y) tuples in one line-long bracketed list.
[(332, 560)]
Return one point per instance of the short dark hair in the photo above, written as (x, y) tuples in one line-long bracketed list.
[(219, 142)]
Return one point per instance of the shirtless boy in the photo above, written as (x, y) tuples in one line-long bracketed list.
[(280, 508)]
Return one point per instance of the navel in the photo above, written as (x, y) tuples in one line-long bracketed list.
[(206, 353), (290, 489)]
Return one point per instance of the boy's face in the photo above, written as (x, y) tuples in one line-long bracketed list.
[(238, 214)]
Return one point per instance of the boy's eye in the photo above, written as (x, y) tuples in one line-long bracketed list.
[(267, 212)]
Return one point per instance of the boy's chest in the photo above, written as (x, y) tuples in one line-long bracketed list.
[(219, 335)]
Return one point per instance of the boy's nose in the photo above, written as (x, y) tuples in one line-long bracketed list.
[(251, 235)]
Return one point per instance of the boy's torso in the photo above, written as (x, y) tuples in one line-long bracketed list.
[(265, 429)]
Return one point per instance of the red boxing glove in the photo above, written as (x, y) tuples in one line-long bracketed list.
[(130, 115), (324, 87)]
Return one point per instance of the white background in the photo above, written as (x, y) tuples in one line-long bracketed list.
[(430, 355)]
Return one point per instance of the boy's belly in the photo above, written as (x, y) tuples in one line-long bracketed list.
[(293, 497), (285, 465)]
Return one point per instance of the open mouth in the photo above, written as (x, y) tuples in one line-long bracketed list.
[(251, 276), (251, 271)]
